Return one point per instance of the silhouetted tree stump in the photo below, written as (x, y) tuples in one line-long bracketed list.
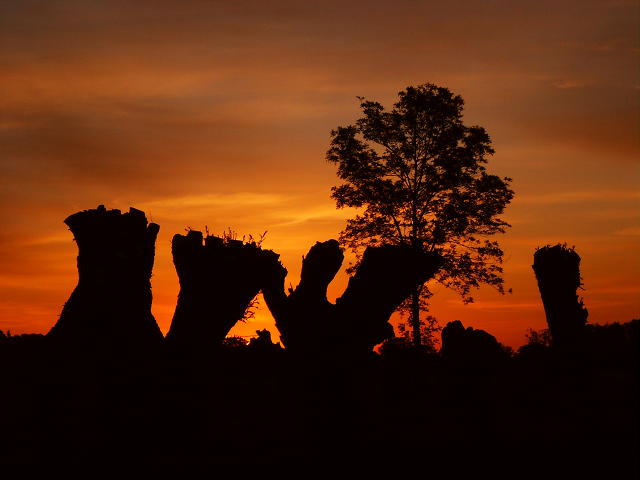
[(218, 279), (305, 318), (385, 277), (110, 308), (358, 321), (557, 269)]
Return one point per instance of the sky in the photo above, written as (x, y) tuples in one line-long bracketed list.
[(218, 114)]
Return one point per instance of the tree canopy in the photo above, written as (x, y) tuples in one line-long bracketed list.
[(418, 176)]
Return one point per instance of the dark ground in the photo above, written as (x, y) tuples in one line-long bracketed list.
[(539, 413)]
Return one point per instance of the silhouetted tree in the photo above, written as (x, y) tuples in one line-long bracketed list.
[(419, 174)]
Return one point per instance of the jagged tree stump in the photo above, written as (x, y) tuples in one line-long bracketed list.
[(305, 318), (218, 279), (110, 308), (358, 321), (557, 269), (385, 277)]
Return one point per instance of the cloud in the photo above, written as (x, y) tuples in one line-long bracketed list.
[(211, 200), (562, 84), (271, 209), (489, 305), (577, 197), (628, 232)]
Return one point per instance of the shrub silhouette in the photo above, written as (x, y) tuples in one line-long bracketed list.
[(470, 347)]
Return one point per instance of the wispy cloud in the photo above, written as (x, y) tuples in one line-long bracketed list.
[(301, 215), (499, 305), (567, 84), (580, 196), (48, 239), (628, 232), (213, 200), (276, 210)]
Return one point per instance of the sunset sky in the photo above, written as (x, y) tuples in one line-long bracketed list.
[(213, 113)]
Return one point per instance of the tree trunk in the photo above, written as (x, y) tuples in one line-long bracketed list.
[(415, 316)]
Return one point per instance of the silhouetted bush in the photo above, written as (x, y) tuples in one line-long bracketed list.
[(471, 348)]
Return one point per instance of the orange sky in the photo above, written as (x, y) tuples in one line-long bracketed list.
[(218, 114)]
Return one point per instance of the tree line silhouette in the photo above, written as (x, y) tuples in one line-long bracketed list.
[(105, 388)]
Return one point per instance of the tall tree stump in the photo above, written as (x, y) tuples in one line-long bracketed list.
[(110, 308), (218, 280), (557, 269)]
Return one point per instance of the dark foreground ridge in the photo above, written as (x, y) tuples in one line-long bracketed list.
[(103, 390)]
